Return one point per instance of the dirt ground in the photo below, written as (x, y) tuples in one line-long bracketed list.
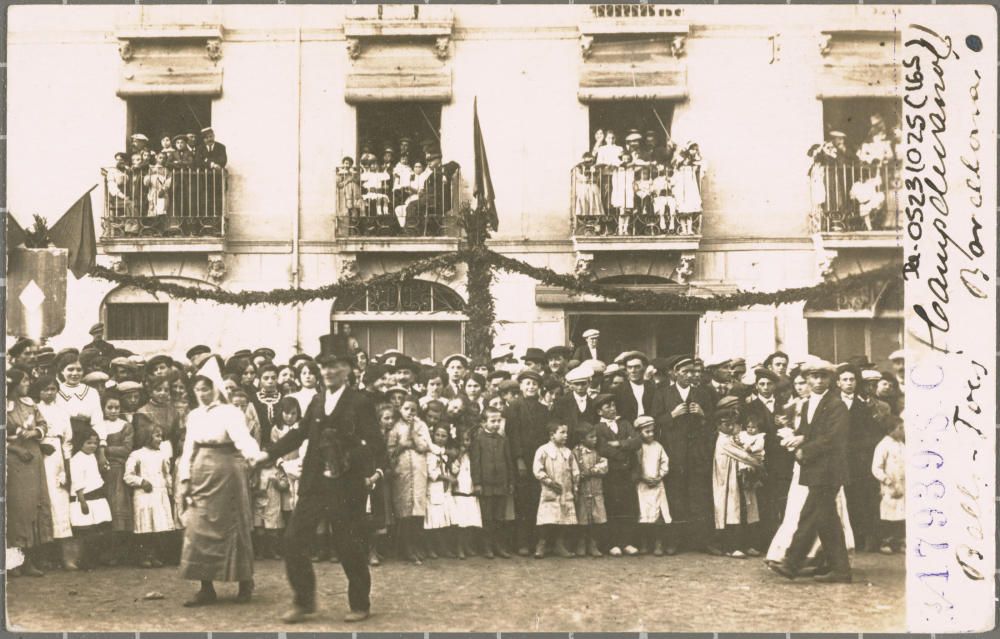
[(688, 592)]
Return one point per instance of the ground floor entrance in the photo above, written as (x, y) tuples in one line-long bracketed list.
[(655, 334)]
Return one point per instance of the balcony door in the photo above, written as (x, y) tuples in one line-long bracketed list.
[(655, 334), (159, 115)]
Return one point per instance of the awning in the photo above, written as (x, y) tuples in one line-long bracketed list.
[(558, 296), (389, 72), (632, 66), (859, 63), (169, 66)]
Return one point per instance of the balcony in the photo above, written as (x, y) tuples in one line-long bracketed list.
[(179, 210), (379, 211), (629, 209), (856, 204)]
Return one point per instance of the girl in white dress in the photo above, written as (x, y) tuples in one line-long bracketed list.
[(654, 511), (465, 514), (58, 435), (437, 519), (89, 512), (147, 471)]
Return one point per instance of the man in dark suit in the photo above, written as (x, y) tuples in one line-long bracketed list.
[(767, 412), (590, 349), (213, 155), (863, 493), (637, 396), (684, 428), (821, 448), (576, 407), (345, 458), (527, 429)]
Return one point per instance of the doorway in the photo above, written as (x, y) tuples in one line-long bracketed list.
[(655, 334)]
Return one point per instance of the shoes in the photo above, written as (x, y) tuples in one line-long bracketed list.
[(501, 551), (886, 549), (155, 563), (201, 598), (753, 552), (562, 550), (540, 550), (245, 593), (298, 614), (461, 552), (71, 566), (631, 550), (615, 551), (670, 550), (29, 570), (373, 559), (833, 578), (658, 548), (592, 548), (145, 563), (783, 569), (355, 616), (738, 554), (712, 550), (581, 548), (523, 551)]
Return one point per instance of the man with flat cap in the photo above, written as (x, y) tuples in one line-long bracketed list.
[(104, 348), (576, 407), (555, 362), (457, 368), (527, 422), (685, 430), (590, 349), (863, 492), (346, 457), (637, 396), (821, 447)]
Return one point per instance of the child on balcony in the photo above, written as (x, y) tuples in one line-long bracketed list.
[(374, 185), (348, 188), (687, 186), (643, 188), (158, 181), (586, 191), (623, 191), (664, 204)]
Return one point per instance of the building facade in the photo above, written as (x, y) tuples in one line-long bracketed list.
[(292, 91)]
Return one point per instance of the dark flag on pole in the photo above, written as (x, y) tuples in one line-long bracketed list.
[(75, 232), (483, 189), (15, 233)]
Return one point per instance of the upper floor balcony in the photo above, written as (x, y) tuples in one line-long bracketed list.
[(855, 204), (650, 207), (399, 209), (159, 209)]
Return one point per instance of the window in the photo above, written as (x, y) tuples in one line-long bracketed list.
[(852, 117), (837, 340), (621, 116), (137, 321), (382, 124), (407, 297), (159, 115), (436, 340)]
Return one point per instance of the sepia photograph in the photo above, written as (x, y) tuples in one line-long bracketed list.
[(436, 318)]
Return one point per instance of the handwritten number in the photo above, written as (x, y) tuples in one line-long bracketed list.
[(933, 517), (924, 487), (922, 542)]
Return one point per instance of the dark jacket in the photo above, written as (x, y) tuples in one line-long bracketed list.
[(620, 458), (778, 460), (824, 451), (582, 353), (358, 440), (688, 439), (491, 464), (527, 428), (864, 436), (217, 154), (565, 411), (628, 405)]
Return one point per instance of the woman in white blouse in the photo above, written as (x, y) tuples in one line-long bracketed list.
[(81, 402), (212, 470)]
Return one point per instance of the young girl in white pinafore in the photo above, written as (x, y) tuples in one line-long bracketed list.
[(408, 443), (116, 443), (889, 468), (465, 514), (288, 408), (437, 519), (654, 511), (58, 435), (88, 509), (147, 471)]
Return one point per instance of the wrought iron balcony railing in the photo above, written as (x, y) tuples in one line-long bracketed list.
[(853, 196), (380, 204), (635, 201), (160, 202)]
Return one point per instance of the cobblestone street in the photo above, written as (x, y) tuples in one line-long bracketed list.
[(688, 592)]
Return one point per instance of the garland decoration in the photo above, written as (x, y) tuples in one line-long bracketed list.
[(481, 309), (282, 296)]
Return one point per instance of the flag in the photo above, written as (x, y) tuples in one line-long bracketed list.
[(75, 232), (483, 188), (15, 234)]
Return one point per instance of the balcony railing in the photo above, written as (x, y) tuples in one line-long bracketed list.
[(164, 203), (379, 205), (853, 196), (634, 202)]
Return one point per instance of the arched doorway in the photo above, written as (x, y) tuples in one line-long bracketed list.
[(421, 318), (655, 333)]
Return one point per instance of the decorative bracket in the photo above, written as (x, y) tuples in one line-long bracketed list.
[(125, 50), (214, 49), (442, 46), (677, 44), (685, 268), (353, 48), (348, 268), (216, 267), (119, 266), (584, 265), (826, 40), (586, 45)]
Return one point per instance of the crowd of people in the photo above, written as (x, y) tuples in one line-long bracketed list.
[(564, 452), (852, 187), (405, 190), (643, 188), (175, 185)]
